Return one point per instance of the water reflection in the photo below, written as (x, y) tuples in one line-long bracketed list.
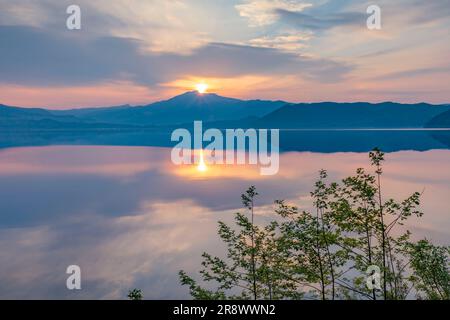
[(130, 218)]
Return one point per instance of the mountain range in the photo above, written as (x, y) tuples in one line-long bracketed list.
[(226, 112), (358, 115)]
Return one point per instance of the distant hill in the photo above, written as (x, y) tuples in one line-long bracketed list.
[(12, 112), (331, 115), (15, 118), (440, 121)]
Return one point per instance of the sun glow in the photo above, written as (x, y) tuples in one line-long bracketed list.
[(201, 163), (201, 87)]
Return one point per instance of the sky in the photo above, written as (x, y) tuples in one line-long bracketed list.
[(139, 51)]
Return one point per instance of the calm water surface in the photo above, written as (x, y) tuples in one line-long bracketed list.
[(129, 218)]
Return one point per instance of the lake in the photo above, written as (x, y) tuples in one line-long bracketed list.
[(130, 218)]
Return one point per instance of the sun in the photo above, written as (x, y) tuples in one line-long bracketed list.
[(201, 87)]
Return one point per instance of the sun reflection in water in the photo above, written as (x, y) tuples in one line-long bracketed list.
[(203, 169), (201, 163)]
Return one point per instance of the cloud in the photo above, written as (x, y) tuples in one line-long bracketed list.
[(414, 73), (329, 21), (426, 11), (146, 44), (219, 59), (15, 13), (288, 41), (264, 12), (32, 56), (382, 52), (330, 14), (168, 26)]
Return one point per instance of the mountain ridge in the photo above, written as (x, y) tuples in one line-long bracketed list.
[(224, 111)]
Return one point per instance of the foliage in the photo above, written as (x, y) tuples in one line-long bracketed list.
[(431, 276), (135, 294)]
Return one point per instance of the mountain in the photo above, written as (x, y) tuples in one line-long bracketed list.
[(12, 117), (15, 118), (12, 112), (183, 108), (331, 115), (442, 120)]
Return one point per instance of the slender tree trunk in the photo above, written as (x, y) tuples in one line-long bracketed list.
[(268, 279), (369, 251), (383, 237), (392, 266), (255, 295), (322, 277), (330, 261), (369, 244)]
